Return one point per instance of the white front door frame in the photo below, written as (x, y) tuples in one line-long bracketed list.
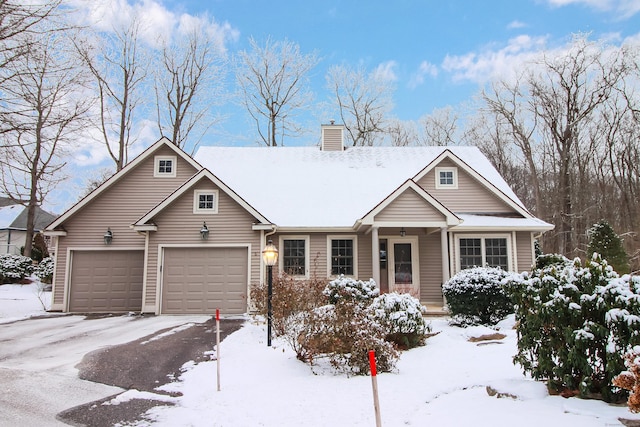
[(413, 285)]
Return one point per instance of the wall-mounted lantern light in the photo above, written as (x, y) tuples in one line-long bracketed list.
[(403, 232), (204, 231), (108, 236)]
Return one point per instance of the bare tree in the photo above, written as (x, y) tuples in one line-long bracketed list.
[(19, 22), (44, 104), (364, 101), (547, 112), (402, 133), (188, 84), (272, 79), (119, 68), (440, 127)]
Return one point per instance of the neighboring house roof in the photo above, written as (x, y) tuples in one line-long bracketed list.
[(14, 217), (307, 187)]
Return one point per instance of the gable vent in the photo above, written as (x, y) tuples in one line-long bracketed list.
[(332, 137)]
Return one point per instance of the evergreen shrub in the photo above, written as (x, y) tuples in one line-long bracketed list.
[(478, 296), (44, 270), (402, 317), (15, 268), (574, 325)]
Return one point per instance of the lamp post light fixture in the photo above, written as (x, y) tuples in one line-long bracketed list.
[(403, 232), (204, 231), (108, 236), (270, 258)]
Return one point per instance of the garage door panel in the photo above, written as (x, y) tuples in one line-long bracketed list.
[(106, 281), (207, 279)]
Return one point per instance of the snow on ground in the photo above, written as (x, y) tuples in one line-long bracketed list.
[(20, 301), (443, 383)]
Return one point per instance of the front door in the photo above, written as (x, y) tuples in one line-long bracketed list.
[(403, 266)]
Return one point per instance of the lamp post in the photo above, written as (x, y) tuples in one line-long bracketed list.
[(270, 257)]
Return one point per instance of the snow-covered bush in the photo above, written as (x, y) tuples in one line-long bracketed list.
[(44, 270), (343, 333), (630, 379), (289, 297), (574, 325), (478, 296), (401, 316), (14, 268), (348, 289)]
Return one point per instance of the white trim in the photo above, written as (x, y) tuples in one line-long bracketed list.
[(354, 239), (515, 251), (196, 202), (160, 264), (144, 272), (307, 253), (454, 172), (55, 277), (156, 166), (482, 237)]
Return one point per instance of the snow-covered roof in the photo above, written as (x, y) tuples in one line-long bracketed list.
[(8, 215), (480, 222), (307, 187)]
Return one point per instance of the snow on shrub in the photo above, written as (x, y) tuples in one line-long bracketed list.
[(574, 325), (348, 289), (401, 316), (44, 270), (14, 268), (477, 296)]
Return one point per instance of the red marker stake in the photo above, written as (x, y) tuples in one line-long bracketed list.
[(218, 346), (374, 384)]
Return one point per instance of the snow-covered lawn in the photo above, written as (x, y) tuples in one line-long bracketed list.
[(443, 383)]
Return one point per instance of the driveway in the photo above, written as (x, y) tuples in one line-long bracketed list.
[(53, 369)]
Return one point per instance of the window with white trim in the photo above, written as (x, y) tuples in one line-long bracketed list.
[(447, 177), (205, 201), (294, 259), (489, 251), (342, 256), (164, 166)]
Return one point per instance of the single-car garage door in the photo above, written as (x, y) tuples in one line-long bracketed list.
[(199, 280), (106, 281)]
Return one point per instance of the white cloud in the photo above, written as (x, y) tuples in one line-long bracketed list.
[(157, 22), (624, 9), (514, 25), (425, 69), (489, 63), (385, 71)]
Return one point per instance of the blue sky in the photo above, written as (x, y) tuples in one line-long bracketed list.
[(436, 53)]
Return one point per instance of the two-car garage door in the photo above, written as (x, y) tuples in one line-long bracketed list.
[(194, 280), (200, 280)]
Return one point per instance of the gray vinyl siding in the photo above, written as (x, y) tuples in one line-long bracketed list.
[(430, 269), (178, 225), (365, 265), (117, 207), (524, 247), (409, 206), (470, 196)]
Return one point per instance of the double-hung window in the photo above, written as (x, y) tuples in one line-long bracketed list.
[(484, 252), (294, 256), (342, 256)]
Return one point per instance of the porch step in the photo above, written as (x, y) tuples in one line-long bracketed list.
[(435, 310)]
